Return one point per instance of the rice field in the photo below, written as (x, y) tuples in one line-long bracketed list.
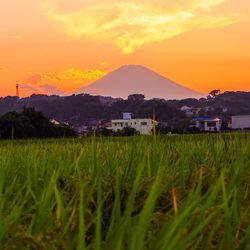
[(160, 192)]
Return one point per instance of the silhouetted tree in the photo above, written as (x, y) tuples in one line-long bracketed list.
[(31, 124), (136, 98), (127, 131), (76, 109), (214, 93)]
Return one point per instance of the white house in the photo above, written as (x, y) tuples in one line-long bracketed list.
[(185, 108), (55, 122), (208, 124), (190, 111), (144, 126), (241, 122)]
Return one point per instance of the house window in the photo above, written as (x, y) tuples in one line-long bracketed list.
[(144, 123)]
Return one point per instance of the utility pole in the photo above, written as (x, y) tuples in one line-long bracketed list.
[(17, 91), (154, 122)]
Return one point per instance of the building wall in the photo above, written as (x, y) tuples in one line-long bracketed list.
[(217, 126), (241, 122), (203, 125), (144, 126)]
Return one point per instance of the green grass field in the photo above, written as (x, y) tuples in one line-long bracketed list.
[(168, 192)]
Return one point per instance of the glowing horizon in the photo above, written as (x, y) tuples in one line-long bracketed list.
[(58, 46)]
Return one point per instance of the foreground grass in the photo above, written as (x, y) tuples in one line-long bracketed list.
[(174, 192)]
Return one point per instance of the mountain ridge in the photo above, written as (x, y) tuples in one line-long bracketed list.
[(129, 79)]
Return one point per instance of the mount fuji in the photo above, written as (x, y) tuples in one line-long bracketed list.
[(137, 79)]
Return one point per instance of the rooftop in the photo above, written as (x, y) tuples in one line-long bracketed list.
[(206, 118)]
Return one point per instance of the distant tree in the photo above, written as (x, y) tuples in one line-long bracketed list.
[(104, 132), (136, 97), (190, 102), (202, 101), (77, 109), (63, 130), (11, 125), (214, 93), (160, 129), (224, 126), (31, 124), (178, 130), (192, 130), (127, 131), (202, 112)]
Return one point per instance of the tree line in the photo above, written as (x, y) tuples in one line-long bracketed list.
[(30, 123), (77, 109)]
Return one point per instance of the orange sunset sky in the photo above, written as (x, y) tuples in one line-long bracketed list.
[(58, 46)]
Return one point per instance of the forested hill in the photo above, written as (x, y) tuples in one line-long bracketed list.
[(77, 108)]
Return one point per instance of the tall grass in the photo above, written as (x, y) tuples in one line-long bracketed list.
[(166, 192)]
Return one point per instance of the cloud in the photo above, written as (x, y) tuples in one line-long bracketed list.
[(132, 23), (28, 87), (67, 80), (51, 90), (47, 89), (75, 75), (34, 79)]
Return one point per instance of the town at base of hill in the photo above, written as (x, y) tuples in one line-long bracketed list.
[(85, 112)]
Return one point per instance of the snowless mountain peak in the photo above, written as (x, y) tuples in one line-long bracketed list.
[(138, 79)]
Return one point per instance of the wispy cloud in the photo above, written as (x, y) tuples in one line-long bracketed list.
[(47, 89), (73, 74), (29, 87), (68, 79), (133, 23), (51, 90)]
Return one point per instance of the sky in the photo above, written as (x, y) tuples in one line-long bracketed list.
[(59, 46)]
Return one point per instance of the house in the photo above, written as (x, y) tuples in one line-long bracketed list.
[(90, 125), (208, 124), (55, 122), (143, 126), (190, 111), (241, 122)]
